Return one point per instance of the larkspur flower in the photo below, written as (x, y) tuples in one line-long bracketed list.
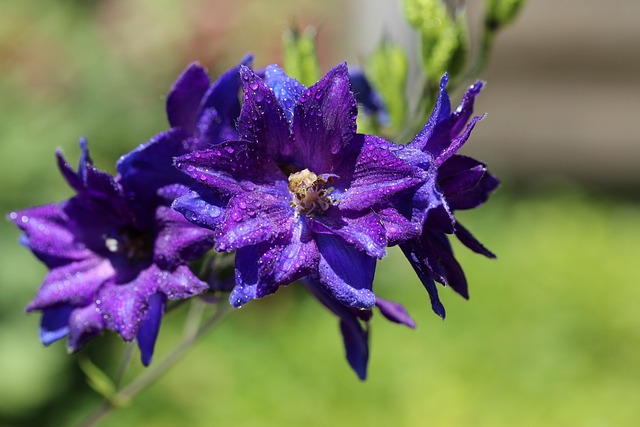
[(114, 261), (201, 114), (299, 193), (461, 183)]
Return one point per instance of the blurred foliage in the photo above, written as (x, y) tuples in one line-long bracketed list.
[(549, 337), (502, 12), (387, 68), (300, 56), (444, 38)]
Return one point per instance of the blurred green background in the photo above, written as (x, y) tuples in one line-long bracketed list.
[(551, 335)]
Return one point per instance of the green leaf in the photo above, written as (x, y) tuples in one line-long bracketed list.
[(300, 56), (387, 71)]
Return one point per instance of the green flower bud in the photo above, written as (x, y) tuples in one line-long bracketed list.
[(501, 12)]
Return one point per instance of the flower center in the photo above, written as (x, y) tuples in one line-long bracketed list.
[(310, 192), (132, 243)]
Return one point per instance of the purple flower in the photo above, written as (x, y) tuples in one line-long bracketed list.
[(461, 183), (201, 114), (298, 194), (114, 261)]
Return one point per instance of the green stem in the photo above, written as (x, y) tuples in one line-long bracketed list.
[(482, 57), (191, 336)]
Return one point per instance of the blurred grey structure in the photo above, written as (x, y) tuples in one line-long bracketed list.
[(563, 88)]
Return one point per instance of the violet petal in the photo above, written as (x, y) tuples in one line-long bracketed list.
[(346, 273)]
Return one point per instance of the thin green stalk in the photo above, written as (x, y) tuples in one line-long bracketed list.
[(191, 336)]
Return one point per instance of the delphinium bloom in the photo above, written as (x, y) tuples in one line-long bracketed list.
[(299, 196), (114, 260), (461, 183), (201, 114)]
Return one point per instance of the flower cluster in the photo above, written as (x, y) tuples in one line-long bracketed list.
[(280, 178)]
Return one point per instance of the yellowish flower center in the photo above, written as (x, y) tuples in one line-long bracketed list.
[(310, 192)]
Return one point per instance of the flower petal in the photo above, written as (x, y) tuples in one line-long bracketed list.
[(395, 312), (345, 273), (54, 324), (220, 107), (457, 142), (149, 328), (466, 183), (379, 175), (228, 166), (75, 284), (48, 234), (415, 255), (463, 113), (325, 121), (441, 112), (397, 227), (201, 207), (183, 100), (126, 305), (286, 89), (262, 120), (84, 324), (178, 241), (467, 239), (290, 259), (355, 337), (248, 284), (253, 217), (365, 232), (150, 166)]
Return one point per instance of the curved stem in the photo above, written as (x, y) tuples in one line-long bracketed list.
[(191, 336)]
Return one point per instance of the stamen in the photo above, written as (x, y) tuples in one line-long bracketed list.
[(310, 192)]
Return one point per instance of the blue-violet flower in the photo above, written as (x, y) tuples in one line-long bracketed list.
[(114, 261)]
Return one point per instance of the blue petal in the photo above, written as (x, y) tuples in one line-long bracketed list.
[(324, 123), (412, 251), (395, 312), (356, 344), (183, 101), (287, 89), (54, 324), (149, 328), (201, 208), (355, 337), (346, 273), (441, 112)]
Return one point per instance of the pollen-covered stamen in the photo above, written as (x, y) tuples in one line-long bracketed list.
[(310, 192)]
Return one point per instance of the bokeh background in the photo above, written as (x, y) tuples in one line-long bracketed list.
[(551, 335)]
